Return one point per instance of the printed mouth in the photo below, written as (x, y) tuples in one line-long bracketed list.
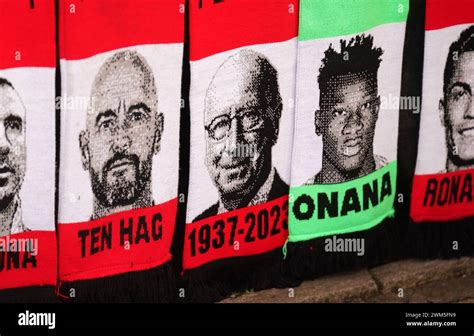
[(120, 163), (3, 182), (352, 146), (5, 169), (233, 170), (352, 142), (468, 131), (232, 165)]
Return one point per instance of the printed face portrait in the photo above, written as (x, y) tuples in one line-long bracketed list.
[(347, 118), (12, 142), (457, 110), (123, 130), (242, 110)]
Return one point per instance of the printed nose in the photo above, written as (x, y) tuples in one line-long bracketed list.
[(233, 136), (121, 143), (354, 124), (4, 142), (469, 111)]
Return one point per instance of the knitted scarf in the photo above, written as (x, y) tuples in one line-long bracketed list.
[(442, 197), (344, 163), (120, 117), (27, 151), (243, 63)]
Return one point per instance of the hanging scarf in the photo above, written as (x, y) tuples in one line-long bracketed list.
[(344, 163), (121, 83), (442, 197), (243, 61), (27, 147)]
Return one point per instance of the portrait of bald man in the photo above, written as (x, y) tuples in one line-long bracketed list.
[(242, 114), (456, 109), (12, 158), (123, 133)]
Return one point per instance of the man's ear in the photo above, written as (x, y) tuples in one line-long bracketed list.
[(276, 129), (441, 111), (159, 131), (317, 122), (84, 147)]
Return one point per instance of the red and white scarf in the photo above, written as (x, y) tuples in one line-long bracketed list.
[(27, 144), (243, 63), (121, 84)]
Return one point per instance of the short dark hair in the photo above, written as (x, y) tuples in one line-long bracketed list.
[(363, 57), (5, 82), (463, 44)]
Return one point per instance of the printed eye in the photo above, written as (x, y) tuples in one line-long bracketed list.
[(339, 113), (366, 106), (250, 116), (219, 128), (137, 115), (13, 124), (106, 124), (459, 94), (250, 120), (221, 124)]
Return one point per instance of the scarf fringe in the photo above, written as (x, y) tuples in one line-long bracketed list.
[(305, 260), (308, 260), (430, 240), (157, 285), (31, 294), (217, 280)]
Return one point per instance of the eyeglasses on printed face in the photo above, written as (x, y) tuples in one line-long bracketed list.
[(250, 121)]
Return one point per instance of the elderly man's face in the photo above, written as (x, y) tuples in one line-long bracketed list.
[(458, 110), (12, 143), (347, 122), (122, 129), (235, 118)]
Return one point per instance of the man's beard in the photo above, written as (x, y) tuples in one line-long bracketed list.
[(121, 191), (6, 201)]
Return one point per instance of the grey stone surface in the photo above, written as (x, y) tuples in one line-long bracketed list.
[(450, 290), (410, 273), (338, 288), (422, 282)]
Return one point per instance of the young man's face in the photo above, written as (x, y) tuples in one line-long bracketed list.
[(458, 111), (12, 143), (347, 121), (235, 117), (122, 130)]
